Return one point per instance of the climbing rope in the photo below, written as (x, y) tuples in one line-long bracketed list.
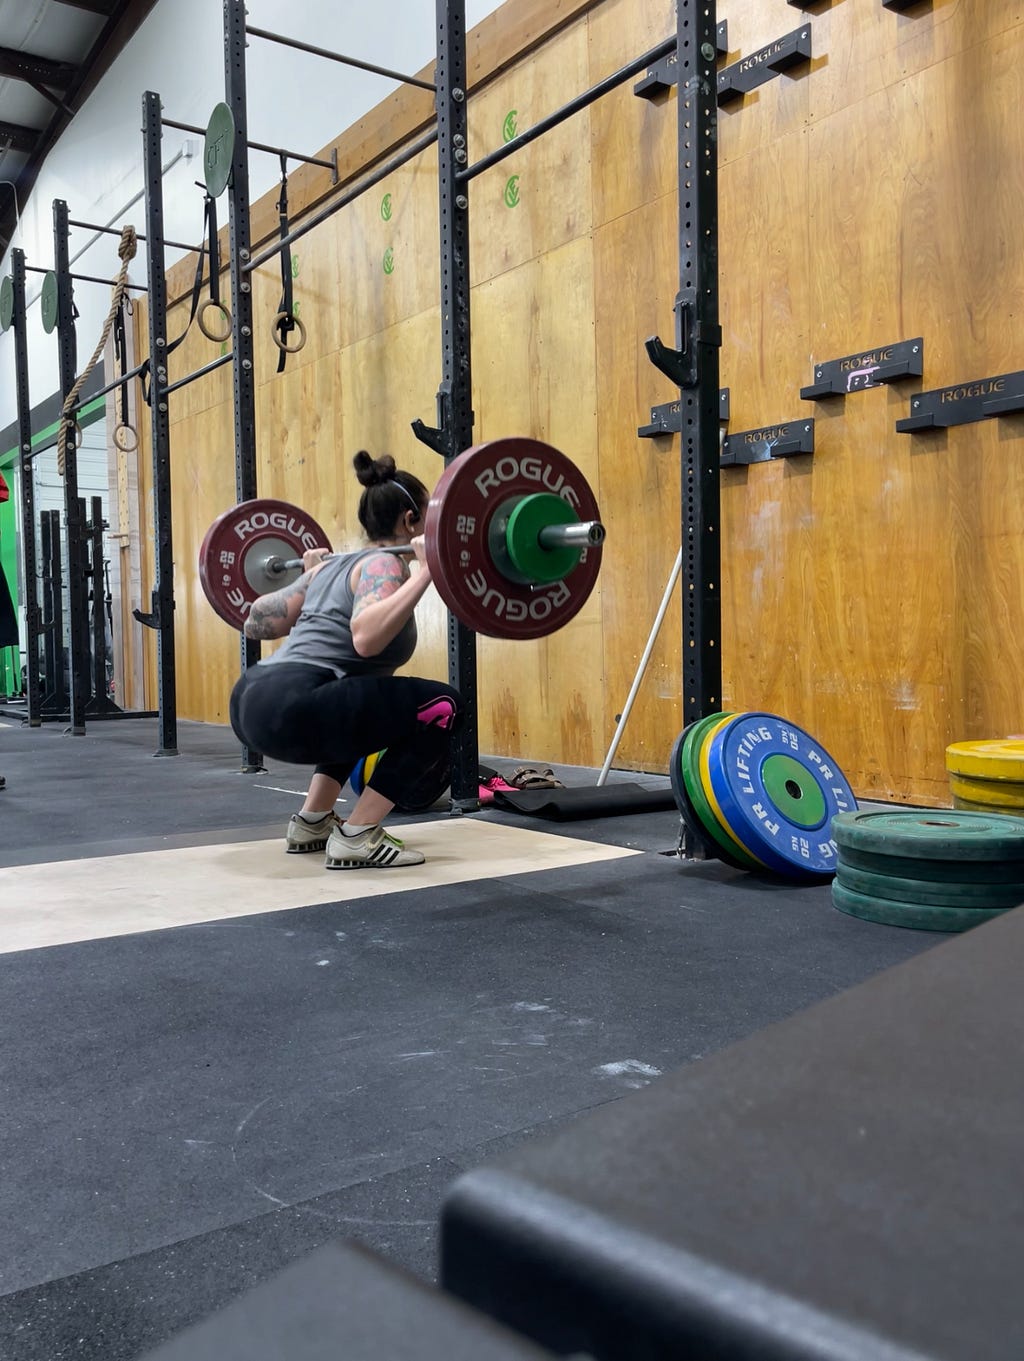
[(68, 425)]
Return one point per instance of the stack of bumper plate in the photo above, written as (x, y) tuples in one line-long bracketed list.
[(934, 871), (987, 776), (759, 793)]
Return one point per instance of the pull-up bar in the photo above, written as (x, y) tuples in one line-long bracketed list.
[(331, 165), (116, 383), (336, 56), (86, 279), (567, 110), (199, 373), (428, 139), (349, 196), (116, 231)]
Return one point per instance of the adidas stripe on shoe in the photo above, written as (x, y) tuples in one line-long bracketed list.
[(375, 849)]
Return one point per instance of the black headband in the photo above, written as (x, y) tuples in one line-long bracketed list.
[(405, 490)]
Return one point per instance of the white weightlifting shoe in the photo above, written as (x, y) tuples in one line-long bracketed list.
[(375, 849), (310, 836)]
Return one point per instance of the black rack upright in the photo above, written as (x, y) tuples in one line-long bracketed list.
[(694, 363), (68, 361), (243, 369), (26, 485), (162, 616), (455, 396)]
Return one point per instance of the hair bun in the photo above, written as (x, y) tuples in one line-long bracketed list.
[(371, 472)]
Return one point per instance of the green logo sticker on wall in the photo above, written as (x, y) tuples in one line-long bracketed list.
[(295, 266), (508, 130), (512, 192), (386, 208), (389, 261)]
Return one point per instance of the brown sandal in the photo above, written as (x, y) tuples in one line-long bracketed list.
[(529, 777)]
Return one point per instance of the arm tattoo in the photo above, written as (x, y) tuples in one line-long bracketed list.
[(269, 614), (380, 577)]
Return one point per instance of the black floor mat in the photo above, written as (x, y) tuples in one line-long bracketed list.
[(593, 801)]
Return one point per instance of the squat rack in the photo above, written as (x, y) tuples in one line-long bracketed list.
[(691, 364), (79, 706), (242, 262), (161, 614), (240, 356)]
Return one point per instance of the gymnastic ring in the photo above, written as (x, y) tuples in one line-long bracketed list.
[(214, 335), (128, 442), (278, 335)]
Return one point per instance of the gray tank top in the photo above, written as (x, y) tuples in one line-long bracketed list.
[(322, 635)]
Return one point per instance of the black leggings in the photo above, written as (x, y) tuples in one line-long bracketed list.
[(304, 715)]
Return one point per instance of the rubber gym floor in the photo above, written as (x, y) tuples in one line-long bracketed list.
[(215, 1057)]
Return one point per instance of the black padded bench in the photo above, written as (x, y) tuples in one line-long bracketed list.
[(342, 1303), (847, 1185)]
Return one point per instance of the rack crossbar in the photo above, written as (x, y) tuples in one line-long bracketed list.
[(102, 392), (200, 373), (343, 199), (86, 278), (116, 231), (331, 165), (336, 56), (574, 106)]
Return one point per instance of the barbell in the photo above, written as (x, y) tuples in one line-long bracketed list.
[(512, 536)]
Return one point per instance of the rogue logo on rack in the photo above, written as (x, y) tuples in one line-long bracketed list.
[(982, 389)]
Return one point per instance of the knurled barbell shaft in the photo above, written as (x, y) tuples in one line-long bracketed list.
[(278, 566), (583, 534)]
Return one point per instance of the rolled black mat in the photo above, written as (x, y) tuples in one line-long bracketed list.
[(591, 801)]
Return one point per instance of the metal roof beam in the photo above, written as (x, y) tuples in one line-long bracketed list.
[(102, 7), (18, 138), (36, 71)]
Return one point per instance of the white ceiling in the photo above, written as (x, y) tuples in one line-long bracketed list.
[(65, 31)]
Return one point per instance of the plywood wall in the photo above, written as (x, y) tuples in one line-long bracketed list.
[(872, 593)]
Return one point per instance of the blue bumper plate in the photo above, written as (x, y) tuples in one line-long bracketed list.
[(779, 790)]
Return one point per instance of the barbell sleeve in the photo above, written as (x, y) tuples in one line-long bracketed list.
[(585, 534)]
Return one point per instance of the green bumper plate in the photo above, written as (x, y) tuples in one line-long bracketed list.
[(711, 848), (929, 892), (6, 302), (734, 854), (219, 149), (939, 871), (48, 302), (918, 917), (522, 538), (932, 835)]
